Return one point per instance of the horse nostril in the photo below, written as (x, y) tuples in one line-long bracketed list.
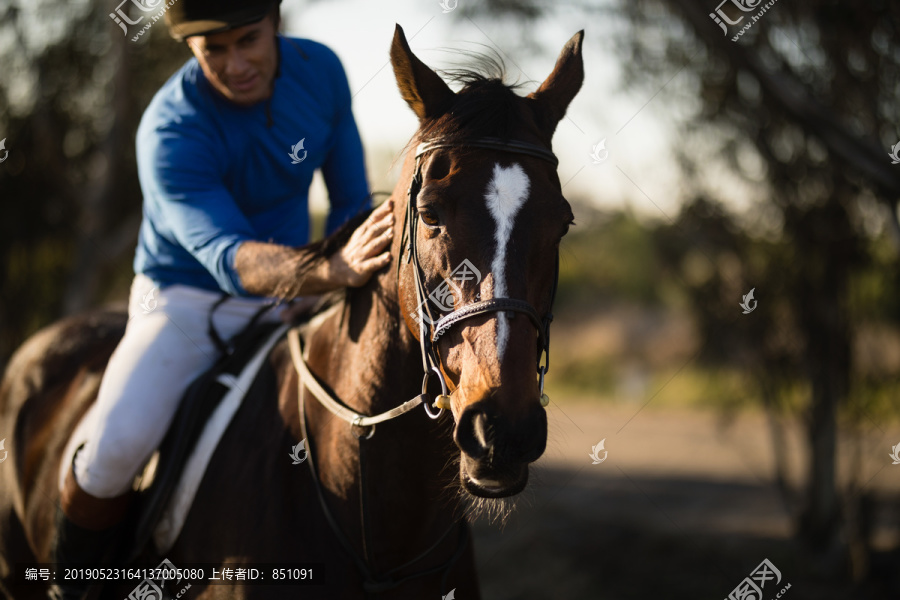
[(536, 442), (473, 434), (482, 433)]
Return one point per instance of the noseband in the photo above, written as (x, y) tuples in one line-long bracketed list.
[(430, 361)]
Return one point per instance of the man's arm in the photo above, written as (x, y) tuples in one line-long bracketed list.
[(205, 220), (280, 271)]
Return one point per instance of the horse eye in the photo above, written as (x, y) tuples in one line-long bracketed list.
[(429, 218)]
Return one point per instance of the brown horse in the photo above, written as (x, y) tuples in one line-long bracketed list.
[(381, 507)]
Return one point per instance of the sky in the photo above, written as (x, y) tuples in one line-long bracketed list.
[(636, 171)]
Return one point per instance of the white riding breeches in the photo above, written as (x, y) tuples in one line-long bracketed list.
[(165, 347)]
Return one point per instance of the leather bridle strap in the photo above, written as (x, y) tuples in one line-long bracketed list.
[(488, 143), (430, 361), (484, 307)]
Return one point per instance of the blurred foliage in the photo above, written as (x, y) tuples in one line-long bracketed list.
[(611, 257), (71, 98), (704, 262), (800, 110)]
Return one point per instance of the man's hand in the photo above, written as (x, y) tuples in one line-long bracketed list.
[(365, 252), (278, 271)]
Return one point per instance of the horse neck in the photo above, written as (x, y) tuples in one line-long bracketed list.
[(371, 324), (375, 365), (380, 300)]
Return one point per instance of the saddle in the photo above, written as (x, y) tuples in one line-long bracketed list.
[(169, 482), (217, 392)]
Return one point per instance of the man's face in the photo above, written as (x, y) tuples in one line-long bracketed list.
[(240, 64)]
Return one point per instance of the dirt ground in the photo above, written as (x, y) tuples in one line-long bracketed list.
[(684, 506)]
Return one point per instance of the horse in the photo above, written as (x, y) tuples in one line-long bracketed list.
[(380, 506)]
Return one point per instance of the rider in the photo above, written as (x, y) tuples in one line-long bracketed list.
[(226, 152)]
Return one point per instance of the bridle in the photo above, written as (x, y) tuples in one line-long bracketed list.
[(374, 583), (430, 361)]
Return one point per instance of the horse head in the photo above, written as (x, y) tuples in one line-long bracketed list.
[(479, 255)]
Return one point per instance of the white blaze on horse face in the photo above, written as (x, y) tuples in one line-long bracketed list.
[(506, 193)]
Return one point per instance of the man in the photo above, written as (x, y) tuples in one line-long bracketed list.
[(226, 152)]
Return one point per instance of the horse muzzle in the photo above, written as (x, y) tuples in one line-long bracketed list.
[(496, 451)]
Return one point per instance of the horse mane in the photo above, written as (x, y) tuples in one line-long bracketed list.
[(485, 106), (322, 250)]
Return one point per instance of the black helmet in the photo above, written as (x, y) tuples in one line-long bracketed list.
[(202, 17)]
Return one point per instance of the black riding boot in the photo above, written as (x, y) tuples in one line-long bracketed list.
[(87, 531), (78, 547)]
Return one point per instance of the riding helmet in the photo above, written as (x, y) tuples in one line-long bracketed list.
[(204, 17)]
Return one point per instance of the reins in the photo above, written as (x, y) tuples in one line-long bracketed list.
[(334, 407), (373, 583)]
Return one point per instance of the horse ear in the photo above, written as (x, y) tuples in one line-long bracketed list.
[(424, 91), (560, 87)]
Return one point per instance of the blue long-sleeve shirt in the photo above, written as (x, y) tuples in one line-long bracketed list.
[(215, 174)]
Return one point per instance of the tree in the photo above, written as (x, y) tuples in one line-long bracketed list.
[(802, 106), (69, 110)]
